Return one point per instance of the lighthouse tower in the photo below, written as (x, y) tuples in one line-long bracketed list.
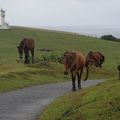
[(3, 25)]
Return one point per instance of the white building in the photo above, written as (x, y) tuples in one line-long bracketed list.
[(3, 24)]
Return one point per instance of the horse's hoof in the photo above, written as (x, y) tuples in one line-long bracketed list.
[(79, 88), (66, 73), (73, 89), (85, 80)]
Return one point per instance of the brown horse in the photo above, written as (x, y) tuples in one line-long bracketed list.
[(26, 45), (95, 58), (75, 63)]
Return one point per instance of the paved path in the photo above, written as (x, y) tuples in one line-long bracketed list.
[(26, 104)]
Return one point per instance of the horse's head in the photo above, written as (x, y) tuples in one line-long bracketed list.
[(68, 59), (20, 51)]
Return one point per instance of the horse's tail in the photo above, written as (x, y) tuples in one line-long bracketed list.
[(103, 58), (87, 71)]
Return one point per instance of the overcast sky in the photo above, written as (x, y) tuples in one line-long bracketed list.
[(61, 12)]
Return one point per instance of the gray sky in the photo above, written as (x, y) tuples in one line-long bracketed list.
[(61, 12)]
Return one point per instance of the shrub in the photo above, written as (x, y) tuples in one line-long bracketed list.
[(109, 37), (50, 58)]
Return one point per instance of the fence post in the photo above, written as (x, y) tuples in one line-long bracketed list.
[(119, 71)]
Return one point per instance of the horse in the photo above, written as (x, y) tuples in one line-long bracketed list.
[(95, 58), (26, 45), (75, 62)]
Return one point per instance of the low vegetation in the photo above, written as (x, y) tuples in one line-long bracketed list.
[(50, 57)]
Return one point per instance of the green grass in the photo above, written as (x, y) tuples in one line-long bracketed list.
[(101, 102), (96, 103), (21, 76), (60, 42), (14, 75)]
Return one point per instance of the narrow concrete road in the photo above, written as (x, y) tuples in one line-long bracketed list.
[(26, 104)]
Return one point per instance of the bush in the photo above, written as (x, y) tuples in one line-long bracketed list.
[(109, 37), (50, 58)]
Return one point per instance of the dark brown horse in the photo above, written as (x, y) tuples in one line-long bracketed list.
[(95, 58), (74, 62), (26, 45)]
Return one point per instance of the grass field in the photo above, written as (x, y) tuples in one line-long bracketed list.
[(96, 103), (14, 75)]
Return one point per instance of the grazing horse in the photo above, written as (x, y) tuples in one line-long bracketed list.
[(95, 58), (26, 45), (75, 62)]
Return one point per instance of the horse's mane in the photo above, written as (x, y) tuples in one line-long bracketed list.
[(21, 44)]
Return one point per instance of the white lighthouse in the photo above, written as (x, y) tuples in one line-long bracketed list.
[(3, 25)]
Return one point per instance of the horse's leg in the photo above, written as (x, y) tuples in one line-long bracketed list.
[(79, 74), (25, 62), (26, 57), (32, 52), (73, 73)]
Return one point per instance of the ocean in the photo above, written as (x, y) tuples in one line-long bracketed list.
[(97, 31)]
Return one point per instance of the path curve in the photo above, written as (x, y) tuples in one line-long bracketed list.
[(26, 104)]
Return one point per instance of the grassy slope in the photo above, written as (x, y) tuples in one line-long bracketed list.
[(13, 75), (19, 76), (101, 102), (60, 42)]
